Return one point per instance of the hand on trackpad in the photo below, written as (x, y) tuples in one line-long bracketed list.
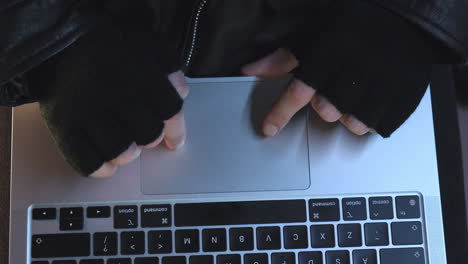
[(225, 150)]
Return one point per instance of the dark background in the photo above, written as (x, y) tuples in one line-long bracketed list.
[(5, 140)]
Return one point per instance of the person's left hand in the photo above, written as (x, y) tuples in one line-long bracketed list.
[(297, 95)]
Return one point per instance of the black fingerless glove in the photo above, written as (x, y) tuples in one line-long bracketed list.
[(368, 62), (105, 92)]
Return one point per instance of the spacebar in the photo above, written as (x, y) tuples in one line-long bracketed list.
[(240, 213), (61, 245)]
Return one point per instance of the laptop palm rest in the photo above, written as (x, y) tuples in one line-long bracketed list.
[(224, 150)]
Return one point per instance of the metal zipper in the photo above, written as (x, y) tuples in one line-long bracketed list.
[(195, 30)]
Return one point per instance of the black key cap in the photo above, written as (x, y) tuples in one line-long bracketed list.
[(376, 234), (119, 261), (402, 256), (322, 236), (174, 260), (228, 259), (40, 262), (98, 212), (125, 217), (268, 238), (61, 245), (240, 213), (71, 219), (207, 259), (380, 208), (44, 213), (92, 261), (349, 235), (322, 210), (69, 261), (187, 241), (241, 239), (261, 258), (214, 240), (310, 257), (132, 243), (354, 209), (368, 256), (160, 242), (337, 257), (407, 233), (146, 261), (156, 215), (105, 244), (283, 258), (295, 237), (408, 207)]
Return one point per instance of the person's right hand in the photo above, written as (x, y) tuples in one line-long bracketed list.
[(108, 97)]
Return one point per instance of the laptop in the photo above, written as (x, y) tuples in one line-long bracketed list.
[(313, 194)]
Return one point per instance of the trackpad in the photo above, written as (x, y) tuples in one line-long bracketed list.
[(225, 151)]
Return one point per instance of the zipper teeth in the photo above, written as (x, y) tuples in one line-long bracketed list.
[(195, 32)]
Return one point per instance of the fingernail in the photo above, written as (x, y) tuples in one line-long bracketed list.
[(270, 130), (180, 144)]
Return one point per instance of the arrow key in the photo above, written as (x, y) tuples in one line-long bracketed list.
[(44, 214), (133, 243), (160, 242), (98, 212)]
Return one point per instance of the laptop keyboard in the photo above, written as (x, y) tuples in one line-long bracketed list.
[(383, 229)]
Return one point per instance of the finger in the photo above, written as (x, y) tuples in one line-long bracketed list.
[(127, 156), (174, 131), (105, 171), (155, 143), (293, 99), (326, 110), (177, 80), (276, 64), (354, 125)]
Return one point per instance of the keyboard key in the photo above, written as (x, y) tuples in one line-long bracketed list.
[(156, 215), (61, 245), (44, 213), (268, 238), (98, 212), (368, 256), (174, 260), (214, 240), (240, 213), (322, 236), (69, 261), (354, 209), (241, 239), (146, 261), (187, 241), (283, 258), (349, 235), (119, 261), (125, 217), (408, 207), (322, 210), (376, 234), (228, 259), (261, 258), (295, 237), (92, 261), (402, 256), (310, 257), (71, 219), (105, 244), (380, 208), (159, 242), (407, 233), (337, 257), (132, 243), (207, 259)]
